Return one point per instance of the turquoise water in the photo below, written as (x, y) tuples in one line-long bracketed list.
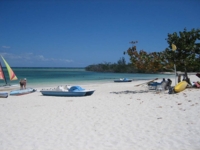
[(73, 76)]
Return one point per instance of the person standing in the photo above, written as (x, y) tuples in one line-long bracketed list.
[(22, 83)]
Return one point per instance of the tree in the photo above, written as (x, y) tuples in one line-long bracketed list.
[(187, 54), (146, 62)]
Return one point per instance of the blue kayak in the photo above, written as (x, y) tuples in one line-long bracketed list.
[(23, 91)]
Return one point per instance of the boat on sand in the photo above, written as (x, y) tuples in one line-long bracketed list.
[(22, 91), (7, 86), (67, 91), (123, 80), (180, 86), (3, 94)]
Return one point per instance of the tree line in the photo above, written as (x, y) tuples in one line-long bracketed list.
[(183, 52), (120, 67)]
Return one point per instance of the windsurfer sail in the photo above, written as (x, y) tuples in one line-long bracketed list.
[(10, 72)]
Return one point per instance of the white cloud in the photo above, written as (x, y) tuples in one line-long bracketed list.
[(6, 47), (32, 57)]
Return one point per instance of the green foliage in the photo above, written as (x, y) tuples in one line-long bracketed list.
[(119, 67), (187, 55)]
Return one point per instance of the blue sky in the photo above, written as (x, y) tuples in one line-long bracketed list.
[(78, 33)]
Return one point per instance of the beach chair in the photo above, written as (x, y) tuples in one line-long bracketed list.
[(161, 87), (59, 88), (153, 85)]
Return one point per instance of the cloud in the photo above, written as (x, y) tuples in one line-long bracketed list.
[(42, 58), (6, 47), (30, 57)]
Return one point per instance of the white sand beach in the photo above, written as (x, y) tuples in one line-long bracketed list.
[(110, 119)]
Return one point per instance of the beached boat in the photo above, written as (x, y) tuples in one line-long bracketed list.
[(22, 92), (67, 91), (123, 80), (3, 94), (180, 86), (12, 76)]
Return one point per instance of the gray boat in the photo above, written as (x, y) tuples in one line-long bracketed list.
[(3, 94), (123, 80)]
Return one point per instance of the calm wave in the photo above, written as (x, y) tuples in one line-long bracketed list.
[(62, 76)]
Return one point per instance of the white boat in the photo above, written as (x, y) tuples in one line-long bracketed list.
[(123, 80), (3, 94), (22, 92), (67, 91), (12, 76)]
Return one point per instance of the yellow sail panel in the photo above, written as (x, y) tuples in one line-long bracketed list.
[(10, 71)]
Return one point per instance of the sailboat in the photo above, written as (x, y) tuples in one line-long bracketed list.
[(11, 75)]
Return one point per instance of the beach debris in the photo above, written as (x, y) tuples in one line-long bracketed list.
[(130, 92), (189, 101), (179, 103), (160, 107), (159, 118)]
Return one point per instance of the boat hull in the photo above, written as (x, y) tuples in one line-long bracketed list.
[(3, 95), (22, 92), (66, 93), (180, 86)]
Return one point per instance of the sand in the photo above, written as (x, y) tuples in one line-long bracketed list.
[(118, 116)]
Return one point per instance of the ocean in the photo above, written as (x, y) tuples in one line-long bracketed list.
[(37, 77)]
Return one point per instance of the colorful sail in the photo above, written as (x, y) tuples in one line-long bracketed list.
[(10, 71), (1, 73)]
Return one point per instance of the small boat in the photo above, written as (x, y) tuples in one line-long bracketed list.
[(123, 80), (22, 92), (67, 91), (180, 86), (12, 76), (3, 95)]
